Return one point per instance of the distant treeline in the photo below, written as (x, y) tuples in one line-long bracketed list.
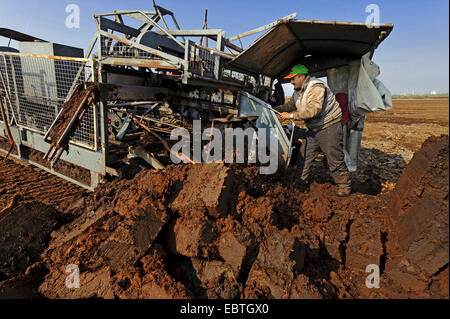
[(400, 96)]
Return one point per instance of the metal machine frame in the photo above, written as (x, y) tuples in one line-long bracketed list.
[(199, 68), (141, 69)]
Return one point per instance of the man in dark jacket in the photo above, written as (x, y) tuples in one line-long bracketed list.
[(314, 103)]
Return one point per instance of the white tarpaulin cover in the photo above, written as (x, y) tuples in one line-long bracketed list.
[(365, 94)]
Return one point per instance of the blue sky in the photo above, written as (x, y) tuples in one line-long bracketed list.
[(414, 58)]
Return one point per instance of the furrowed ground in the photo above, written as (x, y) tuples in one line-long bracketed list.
[(212, 231)]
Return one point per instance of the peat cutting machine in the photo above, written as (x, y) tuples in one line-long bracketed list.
[(110, 112)]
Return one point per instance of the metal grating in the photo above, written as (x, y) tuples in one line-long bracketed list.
[(201, 59), (115, 49), (37, 87)]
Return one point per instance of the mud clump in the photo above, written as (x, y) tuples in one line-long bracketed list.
[(198, 231), (24, 231), (218, 231), (207, 189), (280, 258), (418, 220), (192, 237), (106, 240), (364, 246)]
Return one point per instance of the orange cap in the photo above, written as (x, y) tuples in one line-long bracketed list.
[(289, 76)]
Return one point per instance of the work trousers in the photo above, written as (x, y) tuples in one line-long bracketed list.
[(330, 141)]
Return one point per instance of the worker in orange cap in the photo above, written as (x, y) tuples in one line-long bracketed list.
[(314, 103)]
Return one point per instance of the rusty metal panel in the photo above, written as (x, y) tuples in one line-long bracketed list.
[(297, 41)]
